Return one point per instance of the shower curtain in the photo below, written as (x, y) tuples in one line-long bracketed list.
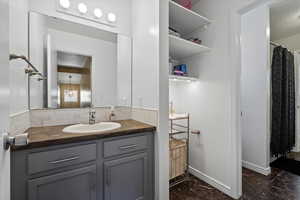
[(283, 102)]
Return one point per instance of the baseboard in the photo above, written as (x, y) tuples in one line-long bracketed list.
[(256, 168), (211, 181)]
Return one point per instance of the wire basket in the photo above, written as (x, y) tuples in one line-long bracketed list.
[(178, 157)]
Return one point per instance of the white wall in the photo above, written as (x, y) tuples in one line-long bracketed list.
[(18, 28), (162, 137), (174, 93), (38, 39), (297, 71), (124, 71), (52, 74), (122, 8), (255, 91), (144, 64), (293, 42)]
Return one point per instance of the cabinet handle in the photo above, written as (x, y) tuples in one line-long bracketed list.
[(124, 148), (64, 160)]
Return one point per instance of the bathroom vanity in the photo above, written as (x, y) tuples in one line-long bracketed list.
[(82, 75), (112, 165)]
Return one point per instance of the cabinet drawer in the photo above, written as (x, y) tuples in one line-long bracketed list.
[(49, 160), (127, 145)]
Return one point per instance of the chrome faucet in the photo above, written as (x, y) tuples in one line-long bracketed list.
[(92, 116)]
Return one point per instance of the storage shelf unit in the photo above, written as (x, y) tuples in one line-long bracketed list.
[(181, 48), (184, 20), (179, 164), (182, 78)]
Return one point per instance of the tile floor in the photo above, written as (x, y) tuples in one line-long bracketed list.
[(280, 185)]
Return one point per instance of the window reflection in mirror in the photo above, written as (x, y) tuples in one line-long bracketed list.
[(74, 80)]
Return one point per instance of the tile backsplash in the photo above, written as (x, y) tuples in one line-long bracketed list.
[(72, 116), (19, 123), (52, 117), (148, 116)]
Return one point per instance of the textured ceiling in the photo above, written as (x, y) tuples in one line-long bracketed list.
[(285, 19)]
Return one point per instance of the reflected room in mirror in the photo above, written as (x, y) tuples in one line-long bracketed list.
[(73, 81), (84, 66)]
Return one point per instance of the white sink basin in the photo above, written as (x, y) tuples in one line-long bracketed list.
[(92, 128)]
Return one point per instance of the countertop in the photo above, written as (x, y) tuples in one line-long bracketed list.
[(53, 135)]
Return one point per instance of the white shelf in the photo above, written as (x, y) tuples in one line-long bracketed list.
[(181, 48), (176, 116), (184, 20), (182, 78)]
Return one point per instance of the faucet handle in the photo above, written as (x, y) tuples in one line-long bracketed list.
[(111, 113)]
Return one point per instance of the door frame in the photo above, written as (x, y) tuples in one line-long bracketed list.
[(4, 99), (235, 62)]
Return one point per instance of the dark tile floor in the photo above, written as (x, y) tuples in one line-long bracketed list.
[(280, 185)]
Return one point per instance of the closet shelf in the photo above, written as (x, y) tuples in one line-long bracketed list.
[(177, 116), (182, 78), (181, 48), (184, 20)]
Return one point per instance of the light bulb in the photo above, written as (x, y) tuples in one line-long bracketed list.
[(111, 17), (82, 8), (65, 4), (98, 13)]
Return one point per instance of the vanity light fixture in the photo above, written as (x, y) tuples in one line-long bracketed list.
[(111, 17), (82, 8), (98, 13), (65, 4)]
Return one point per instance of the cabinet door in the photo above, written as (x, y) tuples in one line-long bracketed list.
[(79, 184), (127, 178)]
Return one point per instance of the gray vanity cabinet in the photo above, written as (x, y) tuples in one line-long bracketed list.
[(75, 184), (116, 168), (127, 178)]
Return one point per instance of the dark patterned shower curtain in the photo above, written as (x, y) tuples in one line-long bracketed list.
[(283, 102)]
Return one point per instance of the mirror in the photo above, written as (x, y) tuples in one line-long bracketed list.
[(82, 65)]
